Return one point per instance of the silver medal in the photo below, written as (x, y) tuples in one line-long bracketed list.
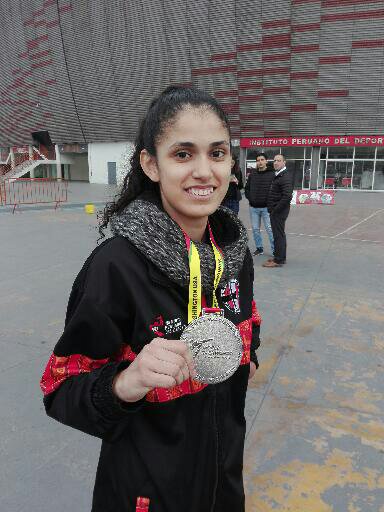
[(216, 347)]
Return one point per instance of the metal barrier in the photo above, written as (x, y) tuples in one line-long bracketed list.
[(17, 191)]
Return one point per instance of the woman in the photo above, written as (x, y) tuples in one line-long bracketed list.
[(119, 370), (233, 196)]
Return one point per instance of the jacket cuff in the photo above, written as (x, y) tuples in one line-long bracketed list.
[(255, 341), (254, 359), (256, 317), (105, 400)]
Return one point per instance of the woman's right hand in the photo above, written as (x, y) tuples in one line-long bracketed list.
[(160, 364)]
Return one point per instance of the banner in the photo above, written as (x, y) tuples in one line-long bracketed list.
[(20, 149), (304, 141), (313, 197)]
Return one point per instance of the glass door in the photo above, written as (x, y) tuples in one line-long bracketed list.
[(338, 174)]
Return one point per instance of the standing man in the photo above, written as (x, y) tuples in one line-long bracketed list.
[(256, 191), (279, 201), (233, 196)]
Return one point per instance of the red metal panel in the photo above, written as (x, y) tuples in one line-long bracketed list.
[(344, 16), (305, 48), (266, 115), (368, 43), (213, 71), (297, 2), (335, 59), (226, 94), (276, 58), (268, 42), (309, 107), (42, 64), (304, 75), (333, 94), (340, 3), (276, 90), (305, 27), (250, 85), (223, 56), (276, 24), (40, 54)]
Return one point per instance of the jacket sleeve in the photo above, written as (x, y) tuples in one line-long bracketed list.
[(240, 178), (256, 318), (286, 194), (247, 186), (77, 381), (255, 343)]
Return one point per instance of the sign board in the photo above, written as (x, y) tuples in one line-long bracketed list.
[(305, 141), (20, 149), (313, 197)]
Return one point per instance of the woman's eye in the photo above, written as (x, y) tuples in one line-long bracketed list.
[(183, 155)]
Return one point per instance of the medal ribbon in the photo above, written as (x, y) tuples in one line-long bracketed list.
[(195, 287)]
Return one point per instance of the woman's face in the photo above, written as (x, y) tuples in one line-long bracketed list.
[(192, 165)]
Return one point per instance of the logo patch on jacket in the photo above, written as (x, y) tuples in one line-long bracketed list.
[(230, 296), (164, 328), (158, 326)]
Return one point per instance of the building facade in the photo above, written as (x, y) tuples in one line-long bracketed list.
[(85, 71)]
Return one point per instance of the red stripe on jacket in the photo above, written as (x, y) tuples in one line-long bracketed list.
[(60, 368), (142, 504)]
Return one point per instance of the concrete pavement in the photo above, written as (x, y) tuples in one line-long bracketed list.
[(315, 412)]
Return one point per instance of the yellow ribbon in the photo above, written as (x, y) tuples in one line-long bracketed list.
[(195, 288)]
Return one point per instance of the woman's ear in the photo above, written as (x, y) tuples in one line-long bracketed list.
[(149, 165)]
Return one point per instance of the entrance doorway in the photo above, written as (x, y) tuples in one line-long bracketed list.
[(336, 173)]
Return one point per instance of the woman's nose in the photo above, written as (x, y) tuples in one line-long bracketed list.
[(202, 168)]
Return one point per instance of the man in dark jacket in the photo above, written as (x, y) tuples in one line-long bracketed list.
[(279, 200), (256, 191)]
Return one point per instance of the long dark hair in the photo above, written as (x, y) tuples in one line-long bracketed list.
[(161, 112)]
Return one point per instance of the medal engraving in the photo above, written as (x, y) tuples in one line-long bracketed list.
[(216, 347)]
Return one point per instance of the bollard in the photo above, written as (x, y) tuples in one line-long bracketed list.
[(89, 208)]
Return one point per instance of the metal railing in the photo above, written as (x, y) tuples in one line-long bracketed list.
[(19, 191)]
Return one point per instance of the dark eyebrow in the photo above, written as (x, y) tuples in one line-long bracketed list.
[(182, 144), (191, 144), (219, 143)]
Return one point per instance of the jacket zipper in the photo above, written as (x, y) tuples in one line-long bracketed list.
[(217, 451)]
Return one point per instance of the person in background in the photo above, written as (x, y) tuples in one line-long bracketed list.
[(279, 203), (233, 196), (256, 191)]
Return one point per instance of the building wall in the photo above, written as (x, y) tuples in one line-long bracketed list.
[(86, 71), (79, 167), (99, 154)]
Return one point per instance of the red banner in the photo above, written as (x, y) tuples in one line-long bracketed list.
[(20, 149), (315, 140), (313, 197)]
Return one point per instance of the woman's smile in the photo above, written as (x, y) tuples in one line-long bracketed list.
[(202, 193)]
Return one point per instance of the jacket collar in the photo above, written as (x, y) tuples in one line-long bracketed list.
[(278, 173), (150, 229)]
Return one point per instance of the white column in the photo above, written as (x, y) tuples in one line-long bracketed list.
[(30, 153), (58, 163), (12, 157), (315, 167), (243, 163)]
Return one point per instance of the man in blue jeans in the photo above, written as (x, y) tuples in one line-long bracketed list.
[(256, 191)]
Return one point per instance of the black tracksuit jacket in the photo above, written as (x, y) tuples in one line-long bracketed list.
[(280, 194), (178, 449), (257, 187)]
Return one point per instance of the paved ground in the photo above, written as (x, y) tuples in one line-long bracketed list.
[(315, 409)]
